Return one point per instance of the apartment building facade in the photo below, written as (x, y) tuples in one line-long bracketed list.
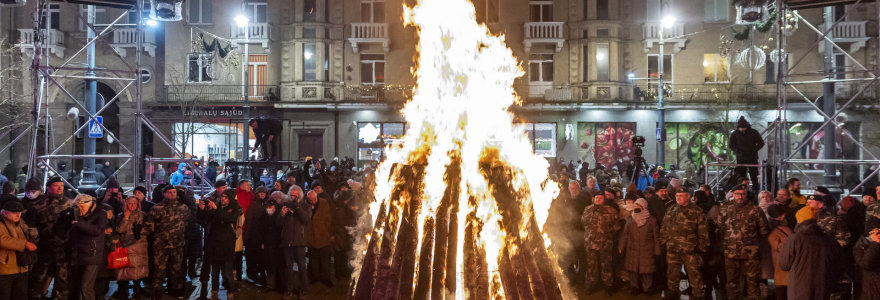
[(338, 71)]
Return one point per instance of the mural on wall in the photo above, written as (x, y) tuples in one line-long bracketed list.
[(686, 143), (609, 143)]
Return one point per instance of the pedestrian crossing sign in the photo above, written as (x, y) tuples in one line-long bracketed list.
[(95, 130)]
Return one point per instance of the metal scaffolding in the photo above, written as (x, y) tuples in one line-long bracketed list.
[(784, 155), (45, 84)]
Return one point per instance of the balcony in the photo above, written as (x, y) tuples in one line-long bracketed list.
[(260, 33), (54, 41), (127, 38), (544, 33), (852, 33), (189, 94), (368, 33), (674, 35)]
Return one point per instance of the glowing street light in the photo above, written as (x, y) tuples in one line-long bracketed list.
[(242, 21)]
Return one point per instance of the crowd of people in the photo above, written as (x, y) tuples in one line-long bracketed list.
[(747, 244), (283, 237)]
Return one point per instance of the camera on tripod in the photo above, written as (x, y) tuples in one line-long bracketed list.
[(638, 142)]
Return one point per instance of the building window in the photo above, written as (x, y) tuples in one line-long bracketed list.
[(100, 16), (715, 68), (541, 67), (602, 9), (258, 75), (542, 136), (309, 11), (222, 141), (603, 72), (716, 10), (653, 10), (200, 12), (586, 63), (487, 10), (326, 62), (200, 69), (373, 137), (541, 11), (54, 19), (586, 4), (839, 66), (132, 14), (373, 11), (373, 69), (310, 65), (256, 11), (667, 67), (609, 142)]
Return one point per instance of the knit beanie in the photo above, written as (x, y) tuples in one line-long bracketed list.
[(112, 183), (775, 211), (805, 213), (742, 123), (33, 184)]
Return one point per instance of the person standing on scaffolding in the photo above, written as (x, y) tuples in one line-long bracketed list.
[(267, 132), (745, 142)]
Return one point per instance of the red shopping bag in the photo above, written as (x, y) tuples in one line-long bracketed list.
[(118, 258)]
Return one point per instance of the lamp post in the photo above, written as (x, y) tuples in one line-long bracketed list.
[(667, 22), (242, 22)]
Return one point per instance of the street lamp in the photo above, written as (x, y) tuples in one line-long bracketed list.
[(242, 22), (666, 22)]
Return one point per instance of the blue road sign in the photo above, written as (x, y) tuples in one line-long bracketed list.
[(95, 131)]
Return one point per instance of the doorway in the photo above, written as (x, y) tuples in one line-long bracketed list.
[(311, 143)]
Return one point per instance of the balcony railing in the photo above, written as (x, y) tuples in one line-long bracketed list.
[(544, 32), (54, 41), (127, 38), (259, 33), (210, 93), (377, 93), (848, 32), (673, 35), (369, 33)]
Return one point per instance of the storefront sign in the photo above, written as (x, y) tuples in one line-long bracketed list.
[(214, 112)]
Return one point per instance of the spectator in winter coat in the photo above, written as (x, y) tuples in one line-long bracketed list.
[(52, 250), (218, 220), (167, 223), (87, 241), (245, 196), (867, 256), (294, 219), (160, 174), (320, 237), (252, 235), (640, 242), (811, 258), (177, 178), (127, 234), (268, 134), (272, 258), (13, 238), (745, 142), (778, 235)]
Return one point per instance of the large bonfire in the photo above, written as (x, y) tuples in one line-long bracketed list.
[(459, 206)]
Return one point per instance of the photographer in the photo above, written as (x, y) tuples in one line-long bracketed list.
[(294, 221), (87, 241), (218, 219), (251, 235), (269, 238), (112, 196)]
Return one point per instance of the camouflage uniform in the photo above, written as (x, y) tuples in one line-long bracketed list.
[(872, 210), (686, 236), (51, 217), (167, 222), (833, 226), (600, 229), (742, 226)]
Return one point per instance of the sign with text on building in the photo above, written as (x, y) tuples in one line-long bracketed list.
[(95, 130)]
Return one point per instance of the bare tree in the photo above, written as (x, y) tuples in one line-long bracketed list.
[(13, 99)]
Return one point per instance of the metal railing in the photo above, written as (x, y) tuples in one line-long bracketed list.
[(219, 93), (258, 31), (377, 93), (369, 30), (544, 30)]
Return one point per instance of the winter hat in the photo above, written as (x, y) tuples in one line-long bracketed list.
[(823, 190), (805, 213), (219, 183), (315, 183), (13, 206), (8, 187), (742, 123), (230, 193), (54, 180), (869, 192), (738, 187), (642, 203), (872, 223), (33, 184), (261, 189), (775, 210), (141, 189), (112, 183)]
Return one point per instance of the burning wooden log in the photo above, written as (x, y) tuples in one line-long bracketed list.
[(368, 266), (423, 285)]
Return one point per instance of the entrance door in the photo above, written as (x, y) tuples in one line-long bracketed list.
[(311, 145)]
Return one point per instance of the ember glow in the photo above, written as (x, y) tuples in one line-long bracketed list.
[(459, 207)]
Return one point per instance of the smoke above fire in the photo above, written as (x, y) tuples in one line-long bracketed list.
[(459, 205)]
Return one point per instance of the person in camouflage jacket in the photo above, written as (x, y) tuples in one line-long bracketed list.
[(831, 224), (872, 206), (685, 234), (167, 223), (600, 229), (742, 225), (53, 248)]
